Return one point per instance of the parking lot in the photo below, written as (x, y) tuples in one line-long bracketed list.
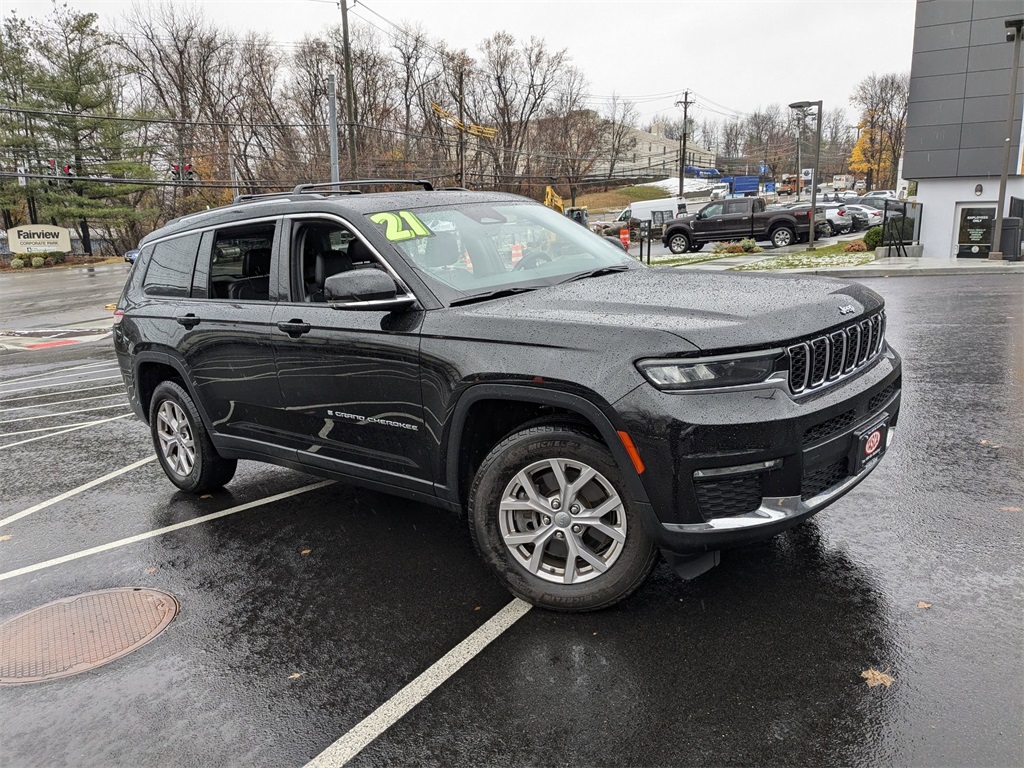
[(319, 618)]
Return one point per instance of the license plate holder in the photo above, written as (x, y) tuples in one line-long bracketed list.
[(871, 442)]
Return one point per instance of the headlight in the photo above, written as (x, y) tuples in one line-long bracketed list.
[(710, 372)]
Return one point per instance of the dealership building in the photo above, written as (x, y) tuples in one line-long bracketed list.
[(956, 123)]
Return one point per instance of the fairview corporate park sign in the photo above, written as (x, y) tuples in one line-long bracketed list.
[(38, 238)]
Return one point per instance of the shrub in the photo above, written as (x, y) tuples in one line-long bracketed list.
[(719, 247), (856, 245), (734, 248), (748, 245), (38, 261), (872, 238), (756, 249), (17, 263), (48, 261)]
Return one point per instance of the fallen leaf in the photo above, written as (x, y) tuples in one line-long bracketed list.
[(305, 551), (5, 537), (923, 604), (477, 608), (110, 307), (874, 677), (206, 496), (295, 675), (1001, 509), (152, 569), (984, 442)]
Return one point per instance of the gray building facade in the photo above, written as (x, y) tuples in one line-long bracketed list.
[(956, 121)]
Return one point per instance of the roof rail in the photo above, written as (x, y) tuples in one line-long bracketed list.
[(258, 195), (454, 189), (329, 186)]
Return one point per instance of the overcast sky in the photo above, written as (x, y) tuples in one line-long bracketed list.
[(735, 55)]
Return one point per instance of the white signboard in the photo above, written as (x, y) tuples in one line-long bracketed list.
[(807, 173), (39, 238)]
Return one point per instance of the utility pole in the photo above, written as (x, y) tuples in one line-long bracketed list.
[(799, 163), (332, 103), (350, 96), (1014, 32), (462, 131), (685, 103)]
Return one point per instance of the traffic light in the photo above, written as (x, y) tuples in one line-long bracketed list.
[(51, 170), (189, 174), (67, 170), (175, 173)]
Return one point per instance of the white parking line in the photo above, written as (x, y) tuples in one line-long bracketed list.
[(55, 426), (60, 402), (60, 384), (160, 531), (59, 371), (76, 491), (65, 431), (107, 367), (53, 394), (65, 413), (388, 713)]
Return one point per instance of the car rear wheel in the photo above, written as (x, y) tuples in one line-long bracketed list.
[(551, 516), (830, 230), (782, 237), (182, 445), (679, 243)]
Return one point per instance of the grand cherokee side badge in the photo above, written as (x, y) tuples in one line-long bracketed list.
[(847, 309)]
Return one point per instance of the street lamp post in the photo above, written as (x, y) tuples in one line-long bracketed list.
[(817, 162), (1013, 34)]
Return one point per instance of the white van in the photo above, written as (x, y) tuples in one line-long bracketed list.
[(643, 209)]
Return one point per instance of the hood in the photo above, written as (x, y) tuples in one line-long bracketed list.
[(709, 310)]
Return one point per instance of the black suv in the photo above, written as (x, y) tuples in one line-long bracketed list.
[(480, 352)]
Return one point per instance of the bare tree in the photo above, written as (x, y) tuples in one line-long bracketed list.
[(621, 115)]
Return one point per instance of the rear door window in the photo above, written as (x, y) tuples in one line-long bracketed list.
[(238, 263), (169, 272)]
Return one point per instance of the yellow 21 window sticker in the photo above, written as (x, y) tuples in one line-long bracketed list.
[(401, 225)]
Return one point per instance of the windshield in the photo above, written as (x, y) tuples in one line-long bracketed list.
[(483, 248)]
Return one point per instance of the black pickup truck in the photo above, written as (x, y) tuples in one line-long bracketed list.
[(737, 219)]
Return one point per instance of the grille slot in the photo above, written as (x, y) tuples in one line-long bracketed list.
[(879, 398), (728, 496), (818, 480), (814, 363), (826, 428)]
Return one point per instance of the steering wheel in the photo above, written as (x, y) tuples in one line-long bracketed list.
[(533, 259)]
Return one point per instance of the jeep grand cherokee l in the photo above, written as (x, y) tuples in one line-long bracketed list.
[(479, 352)]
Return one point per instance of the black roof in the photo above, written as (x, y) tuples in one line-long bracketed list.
[(316, 201)]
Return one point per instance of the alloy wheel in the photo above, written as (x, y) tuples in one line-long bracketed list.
[(562, 520), (177, 444)]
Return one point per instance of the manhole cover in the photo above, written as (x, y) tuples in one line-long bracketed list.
[(79, 633)]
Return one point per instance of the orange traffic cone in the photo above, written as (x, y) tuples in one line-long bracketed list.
[(517, 253), (624, 237)]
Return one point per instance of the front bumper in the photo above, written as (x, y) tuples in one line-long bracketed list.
[(727, 469)]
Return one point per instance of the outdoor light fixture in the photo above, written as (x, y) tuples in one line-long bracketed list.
[(817, 162), (1013, 35)]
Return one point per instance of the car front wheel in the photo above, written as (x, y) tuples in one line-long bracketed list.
[(551, 516), (182, 445), (679, 243)]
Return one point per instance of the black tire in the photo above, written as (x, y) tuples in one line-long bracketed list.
[(831, 231), (678, 242), (783, 236), (206, 471), (628, 561)]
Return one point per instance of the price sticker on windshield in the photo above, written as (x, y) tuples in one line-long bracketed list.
[(400, 225)]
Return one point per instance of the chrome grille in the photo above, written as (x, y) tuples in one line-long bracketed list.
[(814, 363)]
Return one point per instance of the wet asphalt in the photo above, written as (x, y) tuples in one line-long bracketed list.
[(758, 662)]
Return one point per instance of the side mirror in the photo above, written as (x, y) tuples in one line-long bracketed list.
[(366, 289)]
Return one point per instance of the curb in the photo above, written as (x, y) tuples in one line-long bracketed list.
[(925, 272)]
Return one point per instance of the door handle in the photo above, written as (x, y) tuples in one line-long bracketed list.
[(294, 328), (189, 320)]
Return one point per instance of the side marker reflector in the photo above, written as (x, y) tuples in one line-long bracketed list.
[(634, 455)]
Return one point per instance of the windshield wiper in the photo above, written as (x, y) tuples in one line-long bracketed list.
[(598, 272), (493, 295)]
